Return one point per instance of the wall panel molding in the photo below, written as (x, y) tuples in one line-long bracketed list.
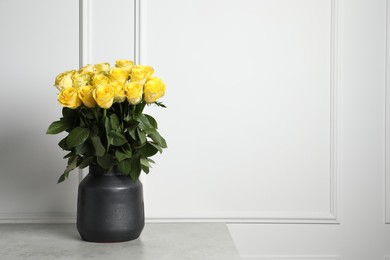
[(292, 257), (261, 217), (387, 119), (84, 49), (30, 217), (329, 217), (84, 29), (334, 86), (137, 31)]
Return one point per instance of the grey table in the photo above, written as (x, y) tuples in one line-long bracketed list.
[(163, 241)]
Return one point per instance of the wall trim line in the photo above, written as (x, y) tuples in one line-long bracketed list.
[(291, 257), (387, 116)]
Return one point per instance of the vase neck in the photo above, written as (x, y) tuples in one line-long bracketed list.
[(94, 169)]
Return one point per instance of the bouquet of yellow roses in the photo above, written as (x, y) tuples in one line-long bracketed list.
[(103, 114)]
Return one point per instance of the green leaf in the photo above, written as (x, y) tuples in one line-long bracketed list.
[(67, 113), (141, 136), (163, 142), (114, 120), (63, 177), (135, 168), (151, 120), (72, 164), (86, 161), (153, 134), (117, 139), (82, 122), (94, 131), (69, 155), (62, 144), (132, 124), (57, 127), (125, 166), (160, 104), (157, 147), (144, 161), (98, 146), (145, 169), (127, 148), (144, 122), (147, 150), (133, 134), (127, 118), (88, 113), (139, 108), (121, 156), (156, 137), (106, 161), (83, 148), (107, 126), (77, 136)]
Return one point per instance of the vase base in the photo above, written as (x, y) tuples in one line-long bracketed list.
[(109, 240)]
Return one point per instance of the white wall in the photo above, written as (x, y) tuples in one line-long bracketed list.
[(39, 39), (110, 26), (362, 233), (275, 120), (250, 100)]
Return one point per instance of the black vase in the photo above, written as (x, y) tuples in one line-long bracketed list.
[(110, 207)]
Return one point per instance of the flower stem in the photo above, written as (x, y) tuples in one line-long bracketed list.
[(143, 104), (121, 109), (133, 111), (121, 117)]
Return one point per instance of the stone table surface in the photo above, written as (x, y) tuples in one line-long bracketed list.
[(163, 241)]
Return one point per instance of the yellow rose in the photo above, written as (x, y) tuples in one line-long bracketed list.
[(86, 68), (125, 64), (85, 94), (100, 80), (102, 67), (69, 97), (154, 89), (81, 79), (64, 80), (119, 92), (133, 92), (141, 73), (119, 74), (104, 96)]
